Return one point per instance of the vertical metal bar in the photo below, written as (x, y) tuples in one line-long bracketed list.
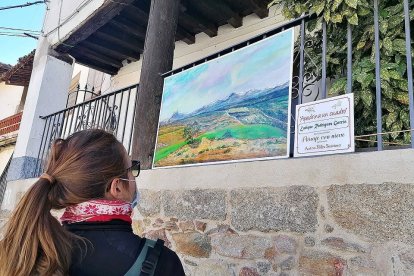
[(301, 61), (324, 42), (65, 121), (99, 113), (113, 109), (133, 120), (84, 93), (378, 76), (89, 112), (409, 67), (60, 124), (71, 120), (126, 115), (76, 119), (95, 102), (106, 101), (119, 114), (48, 140), (37, 168), (349, 66)]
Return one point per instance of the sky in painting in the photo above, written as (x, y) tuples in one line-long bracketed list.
[(264, 64), (29, 18)]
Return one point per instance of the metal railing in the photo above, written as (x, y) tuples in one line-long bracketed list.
[(313, 85), (113, 112), (109, 112), (3, 179)]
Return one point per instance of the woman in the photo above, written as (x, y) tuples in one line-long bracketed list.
[(91, 176)]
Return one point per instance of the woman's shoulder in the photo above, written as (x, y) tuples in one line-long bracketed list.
[(169, 263)]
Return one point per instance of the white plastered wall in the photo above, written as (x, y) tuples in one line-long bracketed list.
[(5, 154), (64, 17), (10, 96)]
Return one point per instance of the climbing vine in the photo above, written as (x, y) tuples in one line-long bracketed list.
[(359, 13)]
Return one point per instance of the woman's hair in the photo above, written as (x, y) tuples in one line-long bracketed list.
[(82, 167)]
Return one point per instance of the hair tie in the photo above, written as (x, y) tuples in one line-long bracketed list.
[(50, 178)]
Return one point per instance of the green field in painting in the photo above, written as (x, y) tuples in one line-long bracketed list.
[(242, 132), (245, 132)]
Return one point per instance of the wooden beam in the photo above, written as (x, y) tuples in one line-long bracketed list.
[(121, 39), (109, 50), (136, 14), (221, 7), (105, 13), (95, 64), (130, 26), (89, 53), (190, 16), (260, 8), (158, 58), (184, 35)]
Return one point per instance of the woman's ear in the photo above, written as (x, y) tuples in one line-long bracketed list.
[(116, 190)]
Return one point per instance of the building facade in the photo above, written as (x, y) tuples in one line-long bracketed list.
[(345, 214)]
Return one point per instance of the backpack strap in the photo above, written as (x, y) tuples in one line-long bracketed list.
[(142, 257), (151, 259)]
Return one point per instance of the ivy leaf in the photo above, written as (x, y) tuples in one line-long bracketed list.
[(352, 3), (405, 118), (353, 20), (336, 4), (387, 42), (386, 89), (399, 45), (407, 137), (337, 18), (318, 7), (367, 99), (327, 15), (397, 126), (338, 86), (390, 118), (402, 97)]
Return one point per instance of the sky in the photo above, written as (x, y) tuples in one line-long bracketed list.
[(265, 64), (31, 18)]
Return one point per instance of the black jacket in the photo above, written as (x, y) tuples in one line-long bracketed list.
[(113, 249)]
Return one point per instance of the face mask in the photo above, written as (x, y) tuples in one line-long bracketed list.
[(135, 200)]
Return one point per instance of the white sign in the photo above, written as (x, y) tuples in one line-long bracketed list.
[(325, 126)]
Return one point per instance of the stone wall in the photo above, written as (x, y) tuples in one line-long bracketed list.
[(349, 214), (297, 230)]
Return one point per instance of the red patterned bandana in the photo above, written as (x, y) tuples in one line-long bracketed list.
[(98, 210)]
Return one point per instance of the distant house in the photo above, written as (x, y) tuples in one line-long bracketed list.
[(14, 82)]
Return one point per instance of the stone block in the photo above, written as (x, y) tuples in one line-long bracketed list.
[(309, 241), (149, 203), (201, 226), (285, 244), (193, 244), (216, 268), (186, 226), (195, 204), (376, 212), (287, 264), (243, 247), (313, 263), (278, 209), (341, 244), (158, 234), (248, 271)]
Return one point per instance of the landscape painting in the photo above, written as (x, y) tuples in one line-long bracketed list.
[(233, 108)]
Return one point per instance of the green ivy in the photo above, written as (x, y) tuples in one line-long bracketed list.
[(359, 13)]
